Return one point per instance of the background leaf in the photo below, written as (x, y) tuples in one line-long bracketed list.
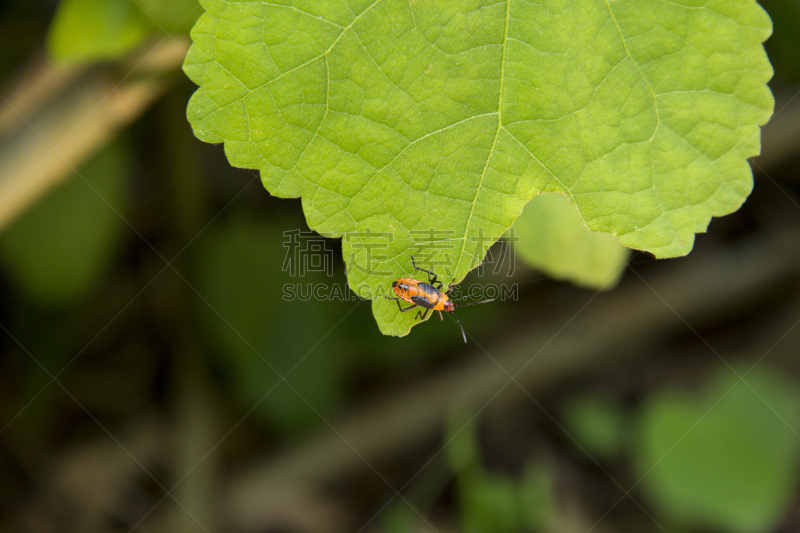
[(241, 279), (56, 251), (728, 459), (396, 120), (85, 30), (492, 502), (553, 238), (92, 30), (174, 16), (596, 422), (783, 54)]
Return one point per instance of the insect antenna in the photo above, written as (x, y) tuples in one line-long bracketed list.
[(460, 326), (476, 303)]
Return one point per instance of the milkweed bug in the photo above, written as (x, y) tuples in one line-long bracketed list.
[(427, 295)]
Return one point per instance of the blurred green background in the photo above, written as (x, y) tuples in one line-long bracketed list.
[(161, 369)]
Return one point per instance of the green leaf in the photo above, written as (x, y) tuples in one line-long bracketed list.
[(57, 249), (173, 16), (727, 460), (404, 125), (463, 451), (596, 423), (553, 238), (260, 334), (88, 30), (490, 502), (91, 30)]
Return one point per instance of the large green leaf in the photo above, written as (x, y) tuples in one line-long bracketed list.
[(404, 125)]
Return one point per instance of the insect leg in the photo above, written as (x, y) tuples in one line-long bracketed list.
[(450, 286), (398, 304), (431, 276)]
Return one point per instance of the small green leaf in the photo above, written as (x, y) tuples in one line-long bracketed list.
[(496, 503), (57, 249), (596, 423), (463, 453), (92, 30), (88, 30), (489, 504), (554, 239), (426, 126), (727, 460)]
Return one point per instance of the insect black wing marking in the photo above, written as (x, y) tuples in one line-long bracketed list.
[(429, 296), (422, 302), (430, 289)]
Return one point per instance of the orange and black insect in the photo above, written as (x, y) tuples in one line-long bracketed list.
[(427, 295)]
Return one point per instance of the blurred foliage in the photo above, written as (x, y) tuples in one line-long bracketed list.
[(22, 23), (268, 314), (174, 16), (554, 239), (492, 502), (597, 423), (261, 333), (782, 47), (727, 458), (85, 30), (91, 30), (58, 250)]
